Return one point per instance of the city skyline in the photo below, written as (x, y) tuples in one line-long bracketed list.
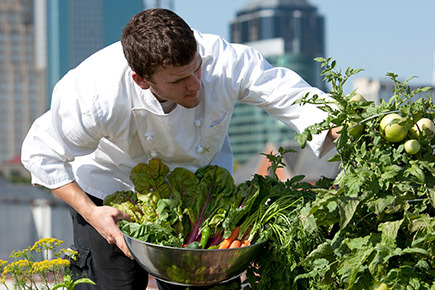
[(40, 41), (377, 36), (405, 46)]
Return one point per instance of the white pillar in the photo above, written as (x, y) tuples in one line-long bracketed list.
[(41, 212)]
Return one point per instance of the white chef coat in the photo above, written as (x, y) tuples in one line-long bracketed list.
[(101, 123)]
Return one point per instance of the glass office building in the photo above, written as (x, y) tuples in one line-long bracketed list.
[(78, 28), (288, 33)]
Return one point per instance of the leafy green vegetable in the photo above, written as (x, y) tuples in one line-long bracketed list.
[(151, 177), (214, 192), (127, 202), (154, 217), (177, 207)]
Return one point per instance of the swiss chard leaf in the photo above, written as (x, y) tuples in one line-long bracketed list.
[(151, 176), (215, 190), (127, 202)]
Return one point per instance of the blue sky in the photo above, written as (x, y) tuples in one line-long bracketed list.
[(379, 36)]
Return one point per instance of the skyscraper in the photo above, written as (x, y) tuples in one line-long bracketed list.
[(22, 84), (78, 28), (288, 33), (40, 40)]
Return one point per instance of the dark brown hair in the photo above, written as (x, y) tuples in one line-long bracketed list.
[(157, 37)]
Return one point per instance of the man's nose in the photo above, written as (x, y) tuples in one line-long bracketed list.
[(194, 83)]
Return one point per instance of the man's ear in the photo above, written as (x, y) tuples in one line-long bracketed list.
[(140, 81)]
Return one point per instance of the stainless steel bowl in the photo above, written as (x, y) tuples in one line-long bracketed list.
[(192, 267)]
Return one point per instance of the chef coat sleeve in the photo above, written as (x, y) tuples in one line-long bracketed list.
[(275, 89), (69, 129)]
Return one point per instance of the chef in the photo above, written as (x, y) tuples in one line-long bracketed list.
[(164, 91)]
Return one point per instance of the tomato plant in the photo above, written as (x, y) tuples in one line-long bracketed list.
[(380, 214)]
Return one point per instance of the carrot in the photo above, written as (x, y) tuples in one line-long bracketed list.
[(227, 242), (245, 243), (235, 244)]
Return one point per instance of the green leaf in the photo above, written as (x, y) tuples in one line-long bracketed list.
[(151, 177), (184, 182), (84, 281), (431, 194), (378, 266), (127, 202), (353, 264), (323, 251), (391, 171), (389, 231), (414, 170), (347, 207)]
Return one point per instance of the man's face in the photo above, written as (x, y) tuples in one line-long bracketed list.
[(179, 84)]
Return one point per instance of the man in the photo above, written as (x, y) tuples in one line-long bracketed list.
[(166, 91)]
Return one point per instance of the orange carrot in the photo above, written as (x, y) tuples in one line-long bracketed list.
[(245, 243), (227, 242), (235, 244)]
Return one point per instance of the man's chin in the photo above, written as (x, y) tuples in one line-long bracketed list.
[(191, 102)]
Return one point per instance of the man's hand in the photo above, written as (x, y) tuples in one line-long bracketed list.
[(103, 218), (333, 133)]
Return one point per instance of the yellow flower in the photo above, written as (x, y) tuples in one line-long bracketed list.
[(49, 266), (19, 254), (2, 271), (18, 268), (46, 243), (25, 271)]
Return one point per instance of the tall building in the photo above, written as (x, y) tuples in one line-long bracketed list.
[(76, 29), (40, 40), (289, 33), (22, 84)]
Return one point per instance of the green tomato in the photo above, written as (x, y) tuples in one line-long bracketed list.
[(381, 286), (393, 132), (355, 130), (412, 146), (357, 98), (424, 124), (387, 119)]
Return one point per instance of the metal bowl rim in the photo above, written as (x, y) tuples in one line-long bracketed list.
[(196, 250)]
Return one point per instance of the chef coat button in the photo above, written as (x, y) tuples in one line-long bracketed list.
[(153, 154), (197, 123), (148, 136), (143, 113), (200, 149)]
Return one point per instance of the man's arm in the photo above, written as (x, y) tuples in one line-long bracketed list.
[(103, 218)]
